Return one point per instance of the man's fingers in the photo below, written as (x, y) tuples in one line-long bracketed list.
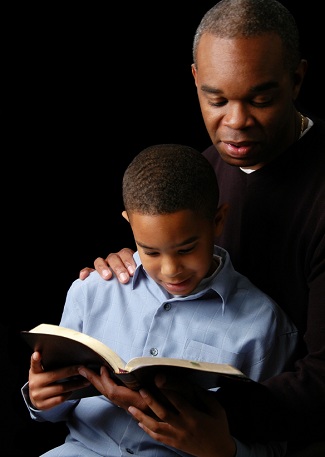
[(121, 263), (101, 267), (85, 272)]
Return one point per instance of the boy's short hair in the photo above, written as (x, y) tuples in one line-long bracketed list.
[(167, 178)]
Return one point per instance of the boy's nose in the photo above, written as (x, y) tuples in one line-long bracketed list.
[(170, 268)]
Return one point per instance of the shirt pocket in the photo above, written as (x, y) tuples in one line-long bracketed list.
[(198, 351)]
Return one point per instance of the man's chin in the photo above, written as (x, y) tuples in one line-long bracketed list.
[(240, 162)]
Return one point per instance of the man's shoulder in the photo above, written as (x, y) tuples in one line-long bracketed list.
[(210, 152), (213, 156), (309, 151), (317, 131)]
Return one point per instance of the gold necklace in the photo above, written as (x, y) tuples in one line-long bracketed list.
[(302, 124)]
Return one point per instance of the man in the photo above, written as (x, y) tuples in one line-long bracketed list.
[(270, 163)]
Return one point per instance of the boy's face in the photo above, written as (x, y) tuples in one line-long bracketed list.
[(176, 249)]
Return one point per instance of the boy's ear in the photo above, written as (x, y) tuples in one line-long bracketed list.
[(125, 215), (220, 218)]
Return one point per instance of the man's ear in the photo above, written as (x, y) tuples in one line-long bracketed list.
[(194, 73), (125, 215), (298, 77), (220, 218)]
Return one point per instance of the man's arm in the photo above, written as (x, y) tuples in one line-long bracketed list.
[(119, 263)]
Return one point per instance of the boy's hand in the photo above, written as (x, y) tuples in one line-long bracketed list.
[(45, 388)]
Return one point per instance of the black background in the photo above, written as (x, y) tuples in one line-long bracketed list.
[(89, 87)]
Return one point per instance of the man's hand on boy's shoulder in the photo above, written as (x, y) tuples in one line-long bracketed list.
[(119, 263)]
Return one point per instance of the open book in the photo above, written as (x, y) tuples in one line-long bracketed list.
[(61, 346)]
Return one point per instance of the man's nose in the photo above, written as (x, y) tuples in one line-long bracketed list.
[(236, 117)]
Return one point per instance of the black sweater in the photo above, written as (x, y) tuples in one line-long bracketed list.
[(275, 234)]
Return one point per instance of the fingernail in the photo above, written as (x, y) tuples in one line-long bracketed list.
[(131, 270), (82, 373), (123, 277), (105, 273), (143, 393)]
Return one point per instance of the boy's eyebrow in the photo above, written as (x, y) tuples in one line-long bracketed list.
[(183, 243)]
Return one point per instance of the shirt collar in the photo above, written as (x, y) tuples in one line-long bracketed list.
[(219, 282)]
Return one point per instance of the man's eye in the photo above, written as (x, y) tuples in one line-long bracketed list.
[(261, 102), (151, 253)]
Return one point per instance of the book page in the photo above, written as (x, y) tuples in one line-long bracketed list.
[(220, 368), (206, 374)]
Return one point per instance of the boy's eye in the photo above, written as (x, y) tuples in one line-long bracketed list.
[(186, 251), (217, 102), (181, 251)]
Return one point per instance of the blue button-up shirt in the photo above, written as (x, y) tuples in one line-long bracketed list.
[(226, 320)]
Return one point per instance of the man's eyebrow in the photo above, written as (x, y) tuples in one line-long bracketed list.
[(254, 89), (265, 86), (183, 243)]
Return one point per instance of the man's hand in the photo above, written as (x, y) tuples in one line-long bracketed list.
[(202, 432), (121, 396), (119, 263)]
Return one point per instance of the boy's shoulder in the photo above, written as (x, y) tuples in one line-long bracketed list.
[(94, 279)]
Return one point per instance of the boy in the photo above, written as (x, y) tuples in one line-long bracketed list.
[(185, 300)]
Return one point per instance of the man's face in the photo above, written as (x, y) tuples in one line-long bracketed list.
[(175, 249), (246, 96)]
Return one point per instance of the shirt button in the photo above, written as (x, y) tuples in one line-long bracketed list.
[(154, 351), (129, 450), (167, 306)]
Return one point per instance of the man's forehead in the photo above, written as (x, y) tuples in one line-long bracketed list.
[(216, 50)]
